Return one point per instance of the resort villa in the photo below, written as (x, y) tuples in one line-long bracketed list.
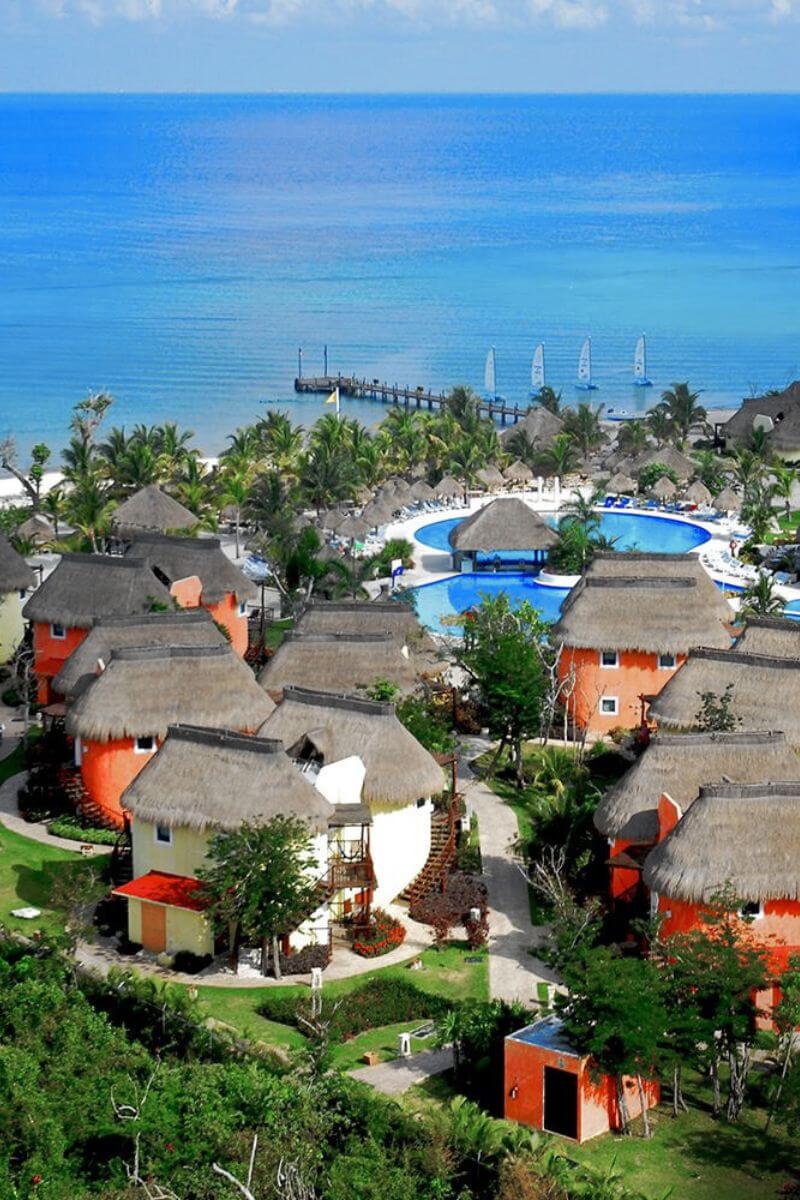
[(151, 511), (776, 415), (16, 578), (773, 637), (626, 627), (502, 532), (392, 617), (344, 662), (121, 717)]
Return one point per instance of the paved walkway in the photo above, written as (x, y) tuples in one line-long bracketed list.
[(513, 971), (400, 1074), (36, 831)]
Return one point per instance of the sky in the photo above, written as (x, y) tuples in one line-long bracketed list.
[(399, 45)]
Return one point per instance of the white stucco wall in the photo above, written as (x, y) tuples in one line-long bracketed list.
[(400, 842), (12, 626)]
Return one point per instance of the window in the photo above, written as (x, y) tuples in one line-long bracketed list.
[(144, 745), (163, 835), (58, 631), (609, 706), (666, 662), (609, 658), (751, 910), (242, 610)]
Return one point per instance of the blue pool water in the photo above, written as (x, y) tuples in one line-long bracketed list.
[(446, 597), (633, 531)]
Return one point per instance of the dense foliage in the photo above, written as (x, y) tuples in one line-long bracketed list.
[(383, 1000)]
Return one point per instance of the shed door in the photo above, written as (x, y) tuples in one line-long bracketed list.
[(154, 927), (561, 1102)]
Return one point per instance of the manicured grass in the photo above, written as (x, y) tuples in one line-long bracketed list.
[(27, 873), (382, 1041), (276, 632)]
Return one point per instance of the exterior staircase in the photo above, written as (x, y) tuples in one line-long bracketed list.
[(122, 859), (75, 791), (441, 857)]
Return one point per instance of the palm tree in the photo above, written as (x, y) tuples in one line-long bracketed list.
[(465, 462), (632, 437), (79, 460), (271, 503), (521, 446), (583, 426), (54, 504), (683, 409), (173, 447), (761, 600), (709, 471), (465, 406), (748, 472), (330, 431), (89, 509), (757, 511), (327, 474), (403, 438), (234, 493), (783, 482), (194, 488), (561, 458), (550, 399), (582, 508), (659, 424)]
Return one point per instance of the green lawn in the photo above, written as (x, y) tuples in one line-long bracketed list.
[(276, 632), (27, 872)]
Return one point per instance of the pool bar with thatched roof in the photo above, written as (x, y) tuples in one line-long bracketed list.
[(501, 532)]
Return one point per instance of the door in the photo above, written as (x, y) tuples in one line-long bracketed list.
[(561, 1102), (154, 927)]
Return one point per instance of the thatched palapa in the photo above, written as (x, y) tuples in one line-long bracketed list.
[(698, 493), (174, 558), (331, 727), (205, 778), (143, 691), (744, 836), (502, 525), (778, 415), (727, 500), (678, 764), (539, 425), (15, 574), (774, 636), (36, 529), (85, 587), (622, 484), (449, 488), (684, 468), (664, 489), (490, 477), (612, 564), (347, 662), (151, 511)]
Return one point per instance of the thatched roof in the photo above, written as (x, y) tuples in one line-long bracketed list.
[(622, 484), (187, 627), (664, 489), (36, 529), (783, 409), (213, 779), (745, 836), (668, 456), (353, 527), (174, 558), (518, 472), (774, 636), (490, 477), (503, 525), (658, 604), (677, 764), (698, 493), (151, 511), (727, 500), (449, 488), (540, 425), (346, 662), (15, 574), (766, 691), (377, 513), (145, 690), (399, 770), (393, 617), (422, 491), (85, 587)]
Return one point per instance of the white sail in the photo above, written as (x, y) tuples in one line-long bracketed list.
[(489, 375), (585, 363), (537, 368), (640, 359)]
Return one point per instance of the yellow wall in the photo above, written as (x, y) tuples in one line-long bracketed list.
[(12, 626), (183, 857), (186, 930)]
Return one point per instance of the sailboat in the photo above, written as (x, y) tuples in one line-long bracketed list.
[(640, 364), (585, 368), (490, 375), (537, 371)]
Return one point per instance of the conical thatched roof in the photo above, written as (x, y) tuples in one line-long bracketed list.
[(15, 574), (518, 472), (664, 489), (622, 484), (422, 492), (392, 617), (354, 528), (745, 836), (540, 425), (765, 691), (343, 663), (677, 764), (669, 456), (658, 604), (144, 691), (376, 514), (188, 627), (698, 493), (85, 587), (774, 636), (399, 770), (174, 558), (36, 529), (151, 511), (331, 519), (213, 779), (449, 488), (490, 477), (727, 500), (784, 411), (503, 525)]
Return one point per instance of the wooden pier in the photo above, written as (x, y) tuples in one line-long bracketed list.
[(404, 397)]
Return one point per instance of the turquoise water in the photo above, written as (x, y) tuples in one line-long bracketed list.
[(437, 601), (178, 249), (632, 531)]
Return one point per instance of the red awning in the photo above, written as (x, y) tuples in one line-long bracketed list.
[(178, 891)]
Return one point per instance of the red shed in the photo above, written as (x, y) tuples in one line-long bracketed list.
[(550, 1086)]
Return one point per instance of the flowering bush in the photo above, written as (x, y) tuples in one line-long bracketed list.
[(385, 932), (462, 893)]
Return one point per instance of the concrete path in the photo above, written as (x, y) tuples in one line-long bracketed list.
[(35, 831), (393, 1078), (513, 971)]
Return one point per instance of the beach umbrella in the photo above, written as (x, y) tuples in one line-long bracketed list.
[(518, 472), (377, 514), (354, 528), (622, 485), (331, 519), (664, 489), (421, 491), (449, 488), (490, 477), (698, 493), (402, 488), (727, 501)]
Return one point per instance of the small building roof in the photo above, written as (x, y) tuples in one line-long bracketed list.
[(746, 836), (664, 489), (187, 627), (159, 887), (765, 691), (490, 477), (539, 424), (506, 524), (772, 636), (37, 528), (85, 587), (677, 764), (783, 409), (668, 456), (210, 778), (174, 558), (448, 487), (698, 493), (399, 771), (395, 617), (144, 690), (727, 500), (518, 472), (151, 511), (622, 484), (343, 662), (547, 1034), (15, 574)]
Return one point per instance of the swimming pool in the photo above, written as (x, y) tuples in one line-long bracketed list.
[(445, 597), (632, 531)]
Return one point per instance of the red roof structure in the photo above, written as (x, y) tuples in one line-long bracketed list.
[(159, 887)]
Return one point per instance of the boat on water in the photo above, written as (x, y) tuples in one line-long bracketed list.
[(640, 364), (490, 377), (537, 371), (622, 414), (584, 383)]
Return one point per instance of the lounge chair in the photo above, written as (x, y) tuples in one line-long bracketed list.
[(610, 500)]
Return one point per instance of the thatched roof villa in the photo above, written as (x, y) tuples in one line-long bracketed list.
[(504, 527), (15, 574), (343, 662), (778, 415), (727, 500), (394, 617), (16, 577), (151, 511), (777, 637), (36, 529)]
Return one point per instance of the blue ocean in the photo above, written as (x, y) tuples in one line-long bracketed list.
[(178, 250)]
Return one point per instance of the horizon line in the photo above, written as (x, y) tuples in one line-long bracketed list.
[(416, 92)]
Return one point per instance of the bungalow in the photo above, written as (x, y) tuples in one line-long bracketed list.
[(200, 782), (504, 531), (775, 637), (764, 691), (745, 836), (151, 511), (626, 627), (394, 776), (16, 577), (119, 720), (777, 414), (672, 769), (198, 572), (81, 590), (343, 662), (394, 617)]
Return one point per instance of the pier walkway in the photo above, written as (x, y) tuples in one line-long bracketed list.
[(406, 397)]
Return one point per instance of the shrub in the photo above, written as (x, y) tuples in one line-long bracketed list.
[(462, 893), (385, 933), (477, 931), (300, 962), (10, 697), (190, 964), (70, 827), (126, 946), (111, 916), (381, 1001)]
